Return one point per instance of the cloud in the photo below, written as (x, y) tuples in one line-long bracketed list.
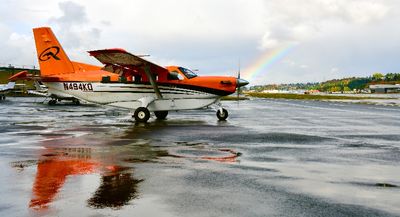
[(17, 48), (73, 14), (294, 23), (75, 26)]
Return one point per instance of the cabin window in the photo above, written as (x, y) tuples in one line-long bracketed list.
[(138, 79), (188, 73)]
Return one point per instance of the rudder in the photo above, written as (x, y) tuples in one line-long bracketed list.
[(51, 56)]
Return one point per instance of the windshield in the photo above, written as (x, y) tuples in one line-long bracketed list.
[(189, 74)]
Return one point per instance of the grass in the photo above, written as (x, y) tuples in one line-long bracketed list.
[(234, 98), (306, 96)]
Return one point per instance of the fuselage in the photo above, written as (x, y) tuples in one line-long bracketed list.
[(179, 89)]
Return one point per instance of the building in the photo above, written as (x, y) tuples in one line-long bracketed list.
[(385, 88)]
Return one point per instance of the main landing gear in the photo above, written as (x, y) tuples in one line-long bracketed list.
[(76, 102), (54, 101), (161, 115), (142, 115)]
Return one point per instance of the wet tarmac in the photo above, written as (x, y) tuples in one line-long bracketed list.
[(271, 158)]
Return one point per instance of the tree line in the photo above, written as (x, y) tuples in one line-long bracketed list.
[(336, 85)]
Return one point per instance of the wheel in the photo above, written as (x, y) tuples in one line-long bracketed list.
[(76, 102), (222, 115), (52, 102), (161, 115), (141, 114)]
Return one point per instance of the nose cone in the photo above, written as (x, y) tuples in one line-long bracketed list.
[(241, 82)]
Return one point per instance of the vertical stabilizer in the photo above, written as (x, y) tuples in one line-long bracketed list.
[(51, 56)]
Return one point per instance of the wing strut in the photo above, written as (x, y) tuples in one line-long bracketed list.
[(152, 81)]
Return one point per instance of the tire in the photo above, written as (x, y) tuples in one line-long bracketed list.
[(141, 115), (52, 102), (161, 115), (222, 116), (76, 102)]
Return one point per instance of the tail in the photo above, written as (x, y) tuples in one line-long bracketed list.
[(51, 56)]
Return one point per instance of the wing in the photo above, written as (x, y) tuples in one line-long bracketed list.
[(121, 58), (22, 75), (9, 86)]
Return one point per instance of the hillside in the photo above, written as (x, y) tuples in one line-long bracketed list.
[(336, 85)]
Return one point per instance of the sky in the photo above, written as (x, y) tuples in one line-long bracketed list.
[(270, 41)]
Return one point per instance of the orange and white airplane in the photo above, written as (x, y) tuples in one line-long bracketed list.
[(128, 81)]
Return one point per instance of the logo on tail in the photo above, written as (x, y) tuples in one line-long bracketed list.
[(50, 52)]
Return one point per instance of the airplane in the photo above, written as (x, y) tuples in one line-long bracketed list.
[(5, 88), (129, 81)]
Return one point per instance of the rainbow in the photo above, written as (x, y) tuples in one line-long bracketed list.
[(264, 61)]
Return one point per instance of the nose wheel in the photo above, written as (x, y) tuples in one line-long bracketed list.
[(141, 115), (222, 114)]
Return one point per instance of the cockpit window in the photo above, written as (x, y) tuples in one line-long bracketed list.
[(189, 74)]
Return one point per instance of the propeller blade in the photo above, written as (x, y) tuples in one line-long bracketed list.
[(238, 79)]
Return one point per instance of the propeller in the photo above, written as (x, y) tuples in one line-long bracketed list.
[(240, 82), (238, 77)]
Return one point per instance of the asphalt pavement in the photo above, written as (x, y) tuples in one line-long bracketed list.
[(270, 158)]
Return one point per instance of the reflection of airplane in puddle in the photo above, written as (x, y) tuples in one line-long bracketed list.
[(117, 186), (5, 88), (41, 89), (128, 81), (116, 189)]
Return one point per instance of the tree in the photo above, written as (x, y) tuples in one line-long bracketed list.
[(359, 83), (377, 76), (389, 77)]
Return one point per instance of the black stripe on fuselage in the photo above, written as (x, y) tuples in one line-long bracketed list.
[(133, 91), (162, 89), (203, 89)]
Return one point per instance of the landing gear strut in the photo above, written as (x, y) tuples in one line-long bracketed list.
[(222, 114), (161, 115), (141, 115)]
